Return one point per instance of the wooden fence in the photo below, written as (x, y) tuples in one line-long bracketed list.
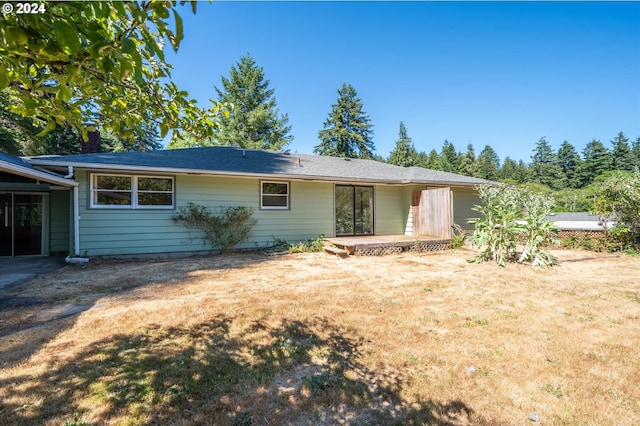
[(432, 211)]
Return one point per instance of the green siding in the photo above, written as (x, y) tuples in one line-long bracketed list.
[(147, 231), (59, 223), (391, 209), (139, 231), (463, 201)]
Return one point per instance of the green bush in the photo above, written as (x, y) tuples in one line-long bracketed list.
[(309, 246), (223, 229)]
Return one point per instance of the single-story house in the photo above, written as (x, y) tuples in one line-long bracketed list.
[(122, 203)]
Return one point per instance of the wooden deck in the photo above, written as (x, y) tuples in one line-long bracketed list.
[(377, 245)]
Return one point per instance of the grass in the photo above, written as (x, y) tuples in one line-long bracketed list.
[(314, 339)]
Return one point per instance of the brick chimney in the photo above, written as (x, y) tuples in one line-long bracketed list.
[(92, 145)]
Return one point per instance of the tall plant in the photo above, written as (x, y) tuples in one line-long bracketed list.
[(537, 229), (497, 230), (509, 214)]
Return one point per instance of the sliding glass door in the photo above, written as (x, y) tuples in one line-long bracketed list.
[(354, 210), (22, 225)]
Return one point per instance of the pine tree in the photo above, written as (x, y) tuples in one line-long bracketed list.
[(404, 153), (253, 121), (570, 163), (468, 165), (622, 157), (544, 168), (507, 171), (635, 147), (449, 158), (488, 163), (347, 131), (596, 160), (433, 161), (522, 172)]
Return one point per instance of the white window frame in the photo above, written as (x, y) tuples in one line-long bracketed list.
[(287, 196), (134, 192)]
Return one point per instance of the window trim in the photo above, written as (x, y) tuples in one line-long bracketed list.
[(287, 196), (134, 193)]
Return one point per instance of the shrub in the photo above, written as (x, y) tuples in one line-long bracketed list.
[(222, 229), (619, 197), (309, 246)]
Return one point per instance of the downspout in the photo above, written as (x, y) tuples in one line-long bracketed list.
[(69, 174), (76, 223)]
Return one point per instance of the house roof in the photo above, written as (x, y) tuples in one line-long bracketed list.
[(17, 166), (246, 162), (578, 221)]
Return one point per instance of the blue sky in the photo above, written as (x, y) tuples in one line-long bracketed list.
[(497, 73)]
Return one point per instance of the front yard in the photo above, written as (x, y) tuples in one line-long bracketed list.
[(315, 339)]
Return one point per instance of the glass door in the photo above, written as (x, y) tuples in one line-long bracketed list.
[(354, 210), (6, 224), (21, 231)]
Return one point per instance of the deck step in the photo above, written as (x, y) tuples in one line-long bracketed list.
[(337, 251)]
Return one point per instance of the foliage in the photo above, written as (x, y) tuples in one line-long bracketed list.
[(468, 166), (544, 168), (253, 121), (404, 154), (309, 246), (497, 230), (508, 213), (347, 132), (596, 160), (488, 163), (458, 238), (449, 157), (622, 157), (100, 63), (223, 229), (570, 163), (619, 195), (537, 229)]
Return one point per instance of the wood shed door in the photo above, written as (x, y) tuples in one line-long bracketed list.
[(432, 211)]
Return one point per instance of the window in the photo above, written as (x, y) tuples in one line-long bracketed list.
[(274, 195), (119, 191)]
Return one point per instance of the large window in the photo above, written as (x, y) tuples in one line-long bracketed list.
[(143, 192), (274, 195)]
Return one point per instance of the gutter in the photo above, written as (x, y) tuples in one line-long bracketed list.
[(39, 175)]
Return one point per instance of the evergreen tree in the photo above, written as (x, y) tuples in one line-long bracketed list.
[(544, 168), (507, 171), (468, 165), (348, 130), (522, 172), (597, 160), (404, 153), (623, 157), (488, 163), (433, 161), (146, 139), (253, 120), (449, 158), (635, 148), (570, 163)]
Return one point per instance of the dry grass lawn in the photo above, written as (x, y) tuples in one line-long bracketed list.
[(315, 339)]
